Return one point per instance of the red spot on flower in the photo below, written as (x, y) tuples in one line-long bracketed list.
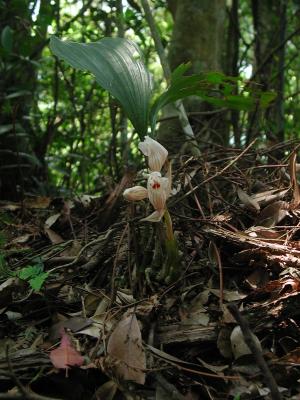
[(156, 185)]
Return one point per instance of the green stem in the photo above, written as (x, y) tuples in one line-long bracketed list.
[(169, 225), (171, 270)]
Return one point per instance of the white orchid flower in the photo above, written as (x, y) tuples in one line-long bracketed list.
[(158, 191), (155, 152)]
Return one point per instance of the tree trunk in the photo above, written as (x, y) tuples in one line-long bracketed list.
[(269, 20), (232, 53), (194, 40), (18, 83)]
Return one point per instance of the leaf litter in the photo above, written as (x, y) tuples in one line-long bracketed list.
[(81, 290)]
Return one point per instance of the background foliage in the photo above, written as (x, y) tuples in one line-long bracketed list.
[(60, 132)]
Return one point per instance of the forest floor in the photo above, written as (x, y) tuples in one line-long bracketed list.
[(86, 314)]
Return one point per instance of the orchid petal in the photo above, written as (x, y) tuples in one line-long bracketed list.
[(135, 193), (156, 216), (155, 152), (158, 190)]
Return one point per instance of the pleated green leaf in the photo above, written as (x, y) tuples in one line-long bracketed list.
[(117, 66)]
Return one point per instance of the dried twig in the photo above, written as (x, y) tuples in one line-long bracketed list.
[(24, 392), (230, 164), (248, 336)]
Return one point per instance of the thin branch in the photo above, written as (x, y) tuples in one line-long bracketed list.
[(24, 392), (216, 174), (274, 51), (65, 27), (248, 336)]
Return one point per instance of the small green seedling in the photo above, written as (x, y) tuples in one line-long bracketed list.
[(34, 275)]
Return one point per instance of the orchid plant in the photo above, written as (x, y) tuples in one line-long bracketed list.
[(158, 191)]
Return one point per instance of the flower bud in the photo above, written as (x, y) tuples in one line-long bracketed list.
[(135, 193), (155, 152)]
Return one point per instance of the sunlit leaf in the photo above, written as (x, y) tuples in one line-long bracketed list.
[(20, 93), (215, 88), (118, 68), (266, 98), (30, 271), (34, 275), (37, 282), (7, 38)]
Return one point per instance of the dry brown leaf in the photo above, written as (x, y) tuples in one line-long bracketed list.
[(126, 348), (248, 201), (238, 344), (217, 369), (73, 250), (294, 182), (21, 239), (262, 232), (168, 357), (39, 202), (223, 342), (74, 324), (292, 358), (196, 318), (269, 196), (258, 278), (272, 214), (228, 295), (53, 236), (107, 391), (51, 220)]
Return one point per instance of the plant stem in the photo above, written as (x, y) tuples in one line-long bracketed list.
[(171, 268), (169, 226)]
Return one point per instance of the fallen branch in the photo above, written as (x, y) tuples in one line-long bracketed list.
[(248, 336)]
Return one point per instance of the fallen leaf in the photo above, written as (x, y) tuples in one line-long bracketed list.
[(272, 214), (269, 196), (125, 346), (51, 220), (291, 358), (54, 237), (168, 357), (73, 250), (263, 233), (248, 201), (217, 369), (223, 342), (238, 344), (196, 318), (228, 295), (21, 239), (39, 202), (106, 391), (75, 324), (65, 355)]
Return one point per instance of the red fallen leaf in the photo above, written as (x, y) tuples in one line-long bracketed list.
[(65, 355)]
